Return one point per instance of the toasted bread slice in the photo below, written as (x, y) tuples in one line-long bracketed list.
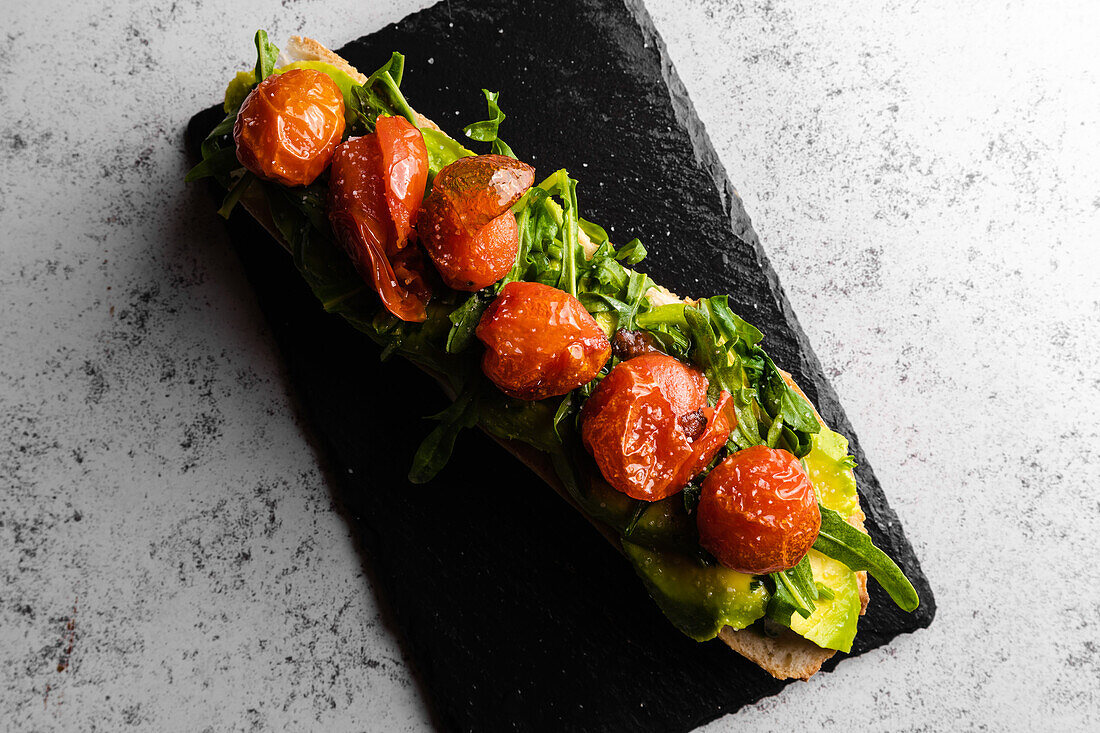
[(786, 656)]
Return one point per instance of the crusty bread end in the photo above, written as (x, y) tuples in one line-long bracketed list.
[(307, 49)]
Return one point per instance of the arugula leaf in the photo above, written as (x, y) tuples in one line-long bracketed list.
[(784, 403), (799, 443), (565, 408), (530, 233), (387, 80), (632, 252), (775, 432), (671, 340), (570, 246), (795, 592), (266, 53), (221, 162), (636, 288), (595, 232), (843, 542), (465, 319), (632, 523), (664, 315), (379, 95), (486, 130), (723, 368), (218, 160), (692, 493), (435, 451), (235, 194), (730, 325)]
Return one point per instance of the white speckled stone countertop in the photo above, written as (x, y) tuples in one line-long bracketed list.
[(925, 177)]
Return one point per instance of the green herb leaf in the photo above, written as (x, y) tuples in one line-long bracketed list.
[(632, 252), (664, 315), (464, 320), (784, 403), (595, 232), (798, 442), (530, 233), (692, 493), (486, 130), (565, 408), (221, 162), (570, 244), (795, 592), (219, 156), (635, 516), (435, 451), (380, 95), (843, 542), (235, 194), (671, 340), (722, 364), (266, 53), (730, 325), (775, 432)]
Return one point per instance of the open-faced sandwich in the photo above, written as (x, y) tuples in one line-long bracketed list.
[(662, 420)]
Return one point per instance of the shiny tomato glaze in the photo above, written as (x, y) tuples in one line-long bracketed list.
[(632, 426), (289, 126), (364, 191), (466, 225), (540, 341), (758, 511)]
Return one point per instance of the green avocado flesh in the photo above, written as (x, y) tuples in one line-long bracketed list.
[(831, 473), (832, 625), (700, 599)]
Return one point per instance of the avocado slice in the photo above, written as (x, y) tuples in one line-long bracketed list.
[(832, 625), (699, 599)]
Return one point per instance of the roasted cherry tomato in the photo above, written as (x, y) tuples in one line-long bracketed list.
[(642, 425), (289, 126), (758, 511), (405, 167), (540, 342), (376, 184), (466, 225)]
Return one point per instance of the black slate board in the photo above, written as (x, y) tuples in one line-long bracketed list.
[(514, 612)]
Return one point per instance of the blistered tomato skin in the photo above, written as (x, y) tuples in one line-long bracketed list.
[(364, 191), (540, 342), (466, 224), (289, 126), (405, 167), (758, 511), (632, 426)]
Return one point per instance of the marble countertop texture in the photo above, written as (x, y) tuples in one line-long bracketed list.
[(926, 180)]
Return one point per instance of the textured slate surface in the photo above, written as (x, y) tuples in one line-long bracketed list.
[(514, 611)]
